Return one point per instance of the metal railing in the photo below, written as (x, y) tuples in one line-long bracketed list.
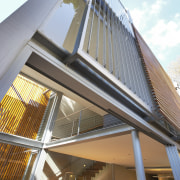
[(106, 43), (81, 122), (77, 123)]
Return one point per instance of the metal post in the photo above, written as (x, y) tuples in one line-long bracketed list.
[(52, 117), (112, 168), (138, 156), (72, 131), (38, 165), (79, 122), (174, 160)]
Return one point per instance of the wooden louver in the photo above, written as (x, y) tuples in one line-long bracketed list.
[(21, 113), (23, 107), (163, 91), (14, 160)]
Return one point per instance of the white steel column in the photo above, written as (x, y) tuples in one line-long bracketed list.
[(174, 160), (40, 160), (138, 156), (9, 76)]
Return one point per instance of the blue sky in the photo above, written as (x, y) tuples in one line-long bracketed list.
[(9, 6), (158, 21)]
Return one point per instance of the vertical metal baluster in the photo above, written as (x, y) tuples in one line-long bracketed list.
[(142, 75), (109, 43), (120, 53), (137, 72), (90, 34), (79, 124), (125, 70), (143, 89), (98, 29), (72, 129), (130, 75), (131, 59), (104, 34), (119, 56), (114, 40)]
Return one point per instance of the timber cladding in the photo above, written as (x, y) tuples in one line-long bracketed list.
[(163, 91)]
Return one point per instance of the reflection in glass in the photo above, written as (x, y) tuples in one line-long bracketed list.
[(62, 25)]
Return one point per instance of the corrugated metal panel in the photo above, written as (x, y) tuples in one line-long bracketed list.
[(163, 91)]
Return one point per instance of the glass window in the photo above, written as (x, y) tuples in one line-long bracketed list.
[(62, 25)]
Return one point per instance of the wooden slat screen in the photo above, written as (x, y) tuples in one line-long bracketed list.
[(163, 91), (23, 107), (13, 161)]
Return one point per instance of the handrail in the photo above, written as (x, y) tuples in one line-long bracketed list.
[(74, 113)]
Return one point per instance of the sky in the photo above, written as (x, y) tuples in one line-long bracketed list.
[(158, 21), (9, 6)]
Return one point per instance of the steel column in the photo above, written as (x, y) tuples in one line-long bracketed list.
[(52, 117), (174, 160), (138, 156), (13, 70), (38, 165)]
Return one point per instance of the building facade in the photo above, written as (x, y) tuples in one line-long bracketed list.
[(83, 97)]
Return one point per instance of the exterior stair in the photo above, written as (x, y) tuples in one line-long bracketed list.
[(91, 172)]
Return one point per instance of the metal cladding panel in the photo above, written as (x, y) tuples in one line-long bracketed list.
[(163, 91)]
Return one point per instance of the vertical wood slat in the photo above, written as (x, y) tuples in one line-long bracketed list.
[(22, 108), (13, 162), (163, 91)]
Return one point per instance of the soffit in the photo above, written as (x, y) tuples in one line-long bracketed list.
[(118, 150)]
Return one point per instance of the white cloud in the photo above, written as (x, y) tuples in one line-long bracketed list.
[(164, 34), (157, 6), (137, 16), (144, 15), (161, 35), (177, 15)]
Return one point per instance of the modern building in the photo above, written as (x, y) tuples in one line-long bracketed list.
[(83, 97)]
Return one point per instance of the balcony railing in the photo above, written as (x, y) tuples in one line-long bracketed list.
[(106, 43), (82, 122)]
